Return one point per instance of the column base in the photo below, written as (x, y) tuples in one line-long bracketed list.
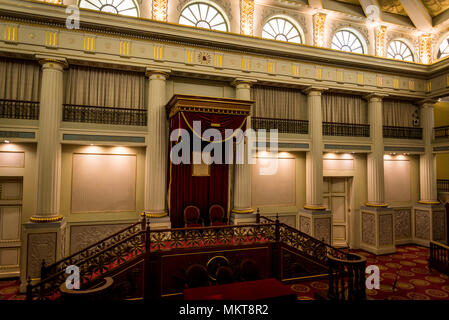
[(429, 220), (316, 223), (377, 234), (158, 220), (41, 240), (242, 216)]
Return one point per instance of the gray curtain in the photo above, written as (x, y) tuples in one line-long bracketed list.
[(399, 113), (344, 108), (278, 103), (19, 80), (105, 88)]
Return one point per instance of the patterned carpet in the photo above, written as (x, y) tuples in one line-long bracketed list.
[(409, 264)]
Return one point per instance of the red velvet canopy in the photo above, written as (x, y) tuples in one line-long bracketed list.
[(202, 191)]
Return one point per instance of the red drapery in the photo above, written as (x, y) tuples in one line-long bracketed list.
[(203, 192)]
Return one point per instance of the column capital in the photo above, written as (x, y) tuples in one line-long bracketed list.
[(427, 102), (312, 90), (157, 73), (242, 81), (375, 96), (52, 61)]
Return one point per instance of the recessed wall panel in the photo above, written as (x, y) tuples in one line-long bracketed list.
[(103, 183)]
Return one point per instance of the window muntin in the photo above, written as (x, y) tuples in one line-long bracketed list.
[(281, 29), (346, 40), (399, 50), (122, 7), (203, 15)]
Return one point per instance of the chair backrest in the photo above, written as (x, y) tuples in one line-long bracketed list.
[(191, 214), (216, 212), (197, 276)]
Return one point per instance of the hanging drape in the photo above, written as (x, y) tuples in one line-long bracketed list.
[(200, 191), (278, 103), (19, 80), (105, 88), (399, 113), (344, 108)]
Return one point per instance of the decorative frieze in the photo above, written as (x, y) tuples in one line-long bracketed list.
[(246, 17), (160, 10)]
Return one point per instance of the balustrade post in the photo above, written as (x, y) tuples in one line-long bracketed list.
[(277, 235), (43, 270), (29, 292), (258, 216)]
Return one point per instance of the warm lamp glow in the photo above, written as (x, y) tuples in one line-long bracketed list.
[(160, 10), (246, 17), (319, 20)]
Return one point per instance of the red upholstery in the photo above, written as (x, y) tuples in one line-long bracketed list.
[(217, 215), (192, 217)]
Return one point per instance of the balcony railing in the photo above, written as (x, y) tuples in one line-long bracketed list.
[(104, 115), (345, 129), (18, 109), (402, 132), (443, 185), (282, 125), (441, 132)]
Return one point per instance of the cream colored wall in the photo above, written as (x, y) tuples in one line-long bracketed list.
[(28, 173), (441, 112), (66, 184), (300, 173), (191, 86)]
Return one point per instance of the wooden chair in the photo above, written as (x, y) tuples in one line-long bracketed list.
[(192, 217), (217, 215)]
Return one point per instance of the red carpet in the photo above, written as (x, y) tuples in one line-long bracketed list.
[(409, 263)]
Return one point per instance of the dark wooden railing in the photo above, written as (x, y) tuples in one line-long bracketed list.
[(139, 242), (347, 278), (104, 115), (443, 185), (441, 132), (402, 132), (17, 109), (282, 125), (346, 129), (439, 257)]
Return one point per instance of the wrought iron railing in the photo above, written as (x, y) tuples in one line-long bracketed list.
[(439, 257), (17, 109), (347, 278), (104, 115), (443, 185), (441, 132), (282, 125), (91, 250), (346, 129), (402, 132), (100, 259)]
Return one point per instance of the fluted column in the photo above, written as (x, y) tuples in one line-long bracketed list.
[(242, 173), (157, 145), (375, 161), (314, 158), (49, 147), (427, 161)]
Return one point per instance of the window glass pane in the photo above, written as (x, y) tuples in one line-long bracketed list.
[(124, 7), (399, 50), (348, 41), (281, 29), (203, 15)]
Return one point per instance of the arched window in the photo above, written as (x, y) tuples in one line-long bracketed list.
[(123, 7), (203, 15), (397, 49), (281, 29), (346, 40), (443, 51)]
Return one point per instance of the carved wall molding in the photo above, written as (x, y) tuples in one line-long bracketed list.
[(402, 224), (40, 246), (369, 228), (323, 229), (386, 229), (422, 224), (81, 236)]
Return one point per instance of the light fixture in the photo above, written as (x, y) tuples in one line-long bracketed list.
[(6, 141)]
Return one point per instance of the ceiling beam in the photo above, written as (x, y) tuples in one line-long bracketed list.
[(418, 14), (366, 6), (316, 4)]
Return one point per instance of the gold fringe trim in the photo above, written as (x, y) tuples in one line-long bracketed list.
[(428, 202), (318, 208), (376, 205), (154, 215)]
